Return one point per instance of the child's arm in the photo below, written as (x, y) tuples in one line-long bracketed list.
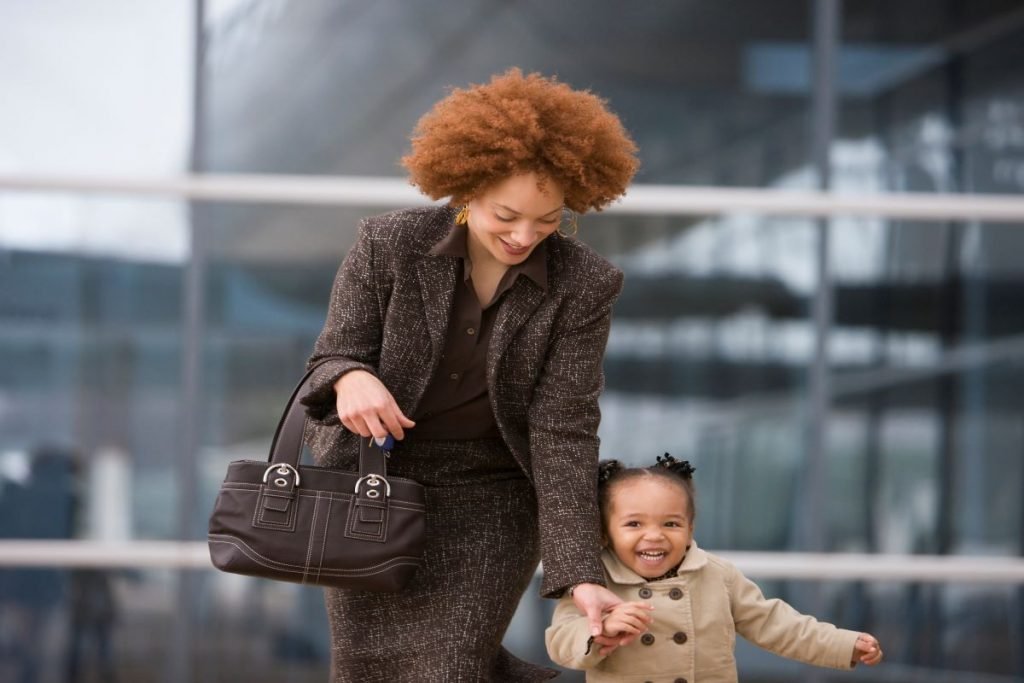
[(775, 626), (568, 638)]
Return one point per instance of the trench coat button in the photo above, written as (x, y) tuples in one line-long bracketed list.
[(679, 637), (679, 680), (647, 639), (645, 592), (454, 375), (675, 593), (470, 331)]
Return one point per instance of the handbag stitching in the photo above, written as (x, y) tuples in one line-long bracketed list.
[(248, 551), (312, 537), (323, 545)]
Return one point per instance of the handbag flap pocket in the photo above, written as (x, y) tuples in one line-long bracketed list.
[(276, 510), (368, 520)]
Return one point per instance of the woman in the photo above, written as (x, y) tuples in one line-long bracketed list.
[(474, 334)]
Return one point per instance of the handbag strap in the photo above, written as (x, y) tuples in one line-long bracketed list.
[(287, 444)]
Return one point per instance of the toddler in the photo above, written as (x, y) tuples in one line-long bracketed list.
[(684, 604)]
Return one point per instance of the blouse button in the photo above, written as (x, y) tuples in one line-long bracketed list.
[(679, 637), (470, 330), (647, 639), (454, 375), (645, 592), (675, 593)]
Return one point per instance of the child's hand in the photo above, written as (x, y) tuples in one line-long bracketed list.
[(627, 618), (866, 650)]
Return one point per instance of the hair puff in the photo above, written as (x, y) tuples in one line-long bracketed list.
[(606, 469), (683, 468), (477, 136)]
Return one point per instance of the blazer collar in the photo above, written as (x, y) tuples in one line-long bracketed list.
[(437, 273), (454, 244), (619, 573)]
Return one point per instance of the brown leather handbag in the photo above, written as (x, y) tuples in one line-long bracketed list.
[(278, 519)]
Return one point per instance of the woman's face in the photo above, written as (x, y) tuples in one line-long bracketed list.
[(510, 219), (648, 526)]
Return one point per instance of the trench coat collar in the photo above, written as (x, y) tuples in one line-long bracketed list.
[(619, 573)]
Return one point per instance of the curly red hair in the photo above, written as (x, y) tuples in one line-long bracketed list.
[(482, 134)]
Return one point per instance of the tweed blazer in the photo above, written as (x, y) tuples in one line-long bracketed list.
[(697, 616), (389, 313)]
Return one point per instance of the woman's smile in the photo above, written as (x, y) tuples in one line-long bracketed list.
[(514, 249)]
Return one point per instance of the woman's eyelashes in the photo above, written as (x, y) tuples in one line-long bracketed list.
[(511, 219)]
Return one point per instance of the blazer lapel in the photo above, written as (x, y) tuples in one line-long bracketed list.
[(437, 276), (515, 309)]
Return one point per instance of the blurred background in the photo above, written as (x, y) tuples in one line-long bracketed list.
[(844, 382)]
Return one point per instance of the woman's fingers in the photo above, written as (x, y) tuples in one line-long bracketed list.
[(366, 407), (395, 421), (350, 425), (374, 426)]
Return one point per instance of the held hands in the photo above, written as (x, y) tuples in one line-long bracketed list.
[(595, 602), (366, 407), (627, 618), (866, 650)]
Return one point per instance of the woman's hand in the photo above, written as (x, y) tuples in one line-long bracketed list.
[(628, 618), (593, 601), (366, 407), (867, 650)]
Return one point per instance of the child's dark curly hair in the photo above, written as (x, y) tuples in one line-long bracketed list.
[(611, 473), (515, 124)]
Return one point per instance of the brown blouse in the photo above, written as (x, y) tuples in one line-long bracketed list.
[(455, 404)]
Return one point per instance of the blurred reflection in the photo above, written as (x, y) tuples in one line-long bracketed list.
[(40, 507), (93, 610), (38, 603)]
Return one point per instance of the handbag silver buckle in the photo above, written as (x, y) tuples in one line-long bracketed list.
[(374, 480), (281, 468)]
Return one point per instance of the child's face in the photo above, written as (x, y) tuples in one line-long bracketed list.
[(648, 527)]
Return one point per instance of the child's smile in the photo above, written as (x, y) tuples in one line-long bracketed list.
[(648, 527)]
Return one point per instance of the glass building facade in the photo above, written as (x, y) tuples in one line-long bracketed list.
[(146, 342)]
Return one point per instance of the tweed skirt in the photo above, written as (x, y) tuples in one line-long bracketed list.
[(482, 549)]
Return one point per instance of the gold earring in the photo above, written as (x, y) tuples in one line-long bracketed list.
[(463, 216), (571, 221)]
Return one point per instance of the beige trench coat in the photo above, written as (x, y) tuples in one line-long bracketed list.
[(696, 618)]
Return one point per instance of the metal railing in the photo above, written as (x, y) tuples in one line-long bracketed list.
[(767, 565), (640, 200)]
